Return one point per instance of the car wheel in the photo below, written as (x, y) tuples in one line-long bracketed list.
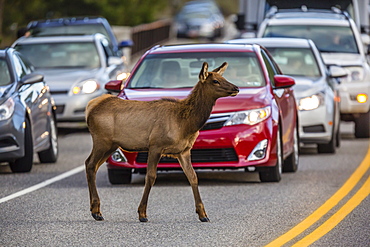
[(25, 163), (273, 174), (50, 155), (338, 137), (330, 147), (362, 126), (291, 163), (120, 176)]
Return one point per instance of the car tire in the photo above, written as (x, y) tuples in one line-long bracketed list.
[(50, 155), (362, 126), (25, 163), (328, 148), (120, 176), (273, 174), (291, 163)]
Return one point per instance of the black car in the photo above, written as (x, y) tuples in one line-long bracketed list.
[(27, 114)]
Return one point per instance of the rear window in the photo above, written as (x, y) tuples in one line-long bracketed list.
[(61, 55), (85, 29), (181, 70), (327, 38)]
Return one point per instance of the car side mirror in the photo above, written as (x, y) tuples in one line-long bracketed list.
[(32, 78), (114, 86), (283, 81), (126, 43), (114, 61), (337, 71)]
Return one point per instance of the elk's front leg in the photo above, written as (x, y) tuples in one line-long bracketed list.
[(188, 169), (151, 175)]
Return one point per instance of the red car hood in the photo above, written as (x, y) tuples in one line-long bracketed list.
[(247, 99)]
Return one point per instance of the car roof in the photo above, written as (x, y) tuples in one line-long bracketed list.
[(316, 17), (214, 47), (65, 21), (274, 42), (58, 39)]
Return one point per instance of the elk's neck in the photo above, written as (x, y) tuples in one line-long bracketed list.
[(198, 107)]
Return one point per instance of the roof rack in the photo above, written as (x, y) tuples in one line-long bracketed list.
[(274, 10)]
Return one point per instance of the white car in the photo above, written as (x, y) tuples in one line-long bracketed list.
[(315, 89), (75, 67), (339, 41)]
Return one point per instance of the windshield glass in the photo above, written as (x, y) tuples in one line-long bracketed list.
[(64, 55), (296, 61), (70, 30), (179, 70), (4, 73), (327, 38)]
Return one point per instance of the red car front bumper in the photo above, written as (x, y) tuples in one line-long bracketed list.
[(225, 148)]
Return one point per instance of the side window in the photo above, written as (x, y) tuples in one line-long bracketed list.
[(270, 67), (19, 66), (108, 49)]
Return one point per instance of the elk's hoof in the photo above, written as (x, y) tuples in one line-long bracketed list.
[(143, 219), (97, 217), (205, 219)]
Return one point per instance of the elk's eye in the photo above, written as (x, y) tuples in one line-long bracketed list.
[(216, 82)]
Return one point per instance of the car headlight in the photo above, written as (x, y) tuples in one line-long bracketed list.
[(355, 73), (123, 76), (7, 109), (85, 87), (310, 103), (250, 117)]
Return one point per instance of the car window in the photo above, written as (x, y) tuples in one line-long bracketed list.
[(296, 61), (61, 55), (4, 73), (20, 69), (327, 38), (70, 30), (272, 71), (176, 70)]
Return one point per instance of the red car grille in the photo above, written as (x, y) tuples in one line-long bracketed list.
[(198, 155)]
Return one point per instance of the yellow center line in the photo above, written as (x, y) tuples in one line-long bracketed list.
[(334, 220), (326, 207)]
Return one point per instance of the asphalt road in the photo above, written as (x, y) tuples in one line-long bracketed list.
[(243, 211)]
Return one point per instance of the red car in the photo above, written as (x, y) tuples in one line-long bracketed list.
[(256, 130)]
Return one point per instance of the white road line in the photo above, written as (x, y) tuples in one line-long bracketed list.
[(43, 184)]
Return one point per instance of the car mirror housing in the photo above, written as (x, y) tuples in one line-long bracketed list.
[(337, 71), (126, 43), (114, 61), (283, 81), (32, 78), (114, 86)]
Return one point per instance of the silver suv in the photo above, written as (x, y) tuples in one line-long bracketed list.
[(339, 41)]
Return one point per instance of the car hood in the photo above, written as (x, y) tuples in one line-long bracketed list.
[(342, 59), (63, 79), (247, 99), (305, 86)]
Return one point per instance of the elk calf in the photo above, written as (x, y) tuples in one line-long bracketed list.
[(160, 127)]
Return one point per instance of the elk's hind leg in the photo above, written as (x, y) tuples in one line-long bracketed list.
[(185, 162), (98, 156)]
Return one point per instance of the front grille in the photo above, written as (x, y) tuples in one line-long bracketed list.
[(216, 121), (59, 92), (314, 129), (198, 155)]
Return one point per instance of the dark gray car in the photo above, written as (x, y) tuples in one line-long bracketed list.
[(27, 114)]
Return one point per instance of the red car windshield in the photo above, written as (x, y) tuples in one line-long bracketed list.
[(181, 70)]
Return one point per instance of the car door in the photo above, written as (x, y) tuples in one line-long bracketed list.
[(285, 100), (36, 101)]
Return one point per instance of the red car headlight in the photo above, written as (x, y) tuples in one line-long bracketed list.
[(250, 117)]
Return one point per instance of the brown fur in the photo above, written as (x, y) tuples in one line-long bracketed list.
[(160, 127)]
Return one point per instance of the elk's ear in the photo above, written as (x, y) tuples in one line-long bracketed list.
[(220, 70), (203, 72)]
